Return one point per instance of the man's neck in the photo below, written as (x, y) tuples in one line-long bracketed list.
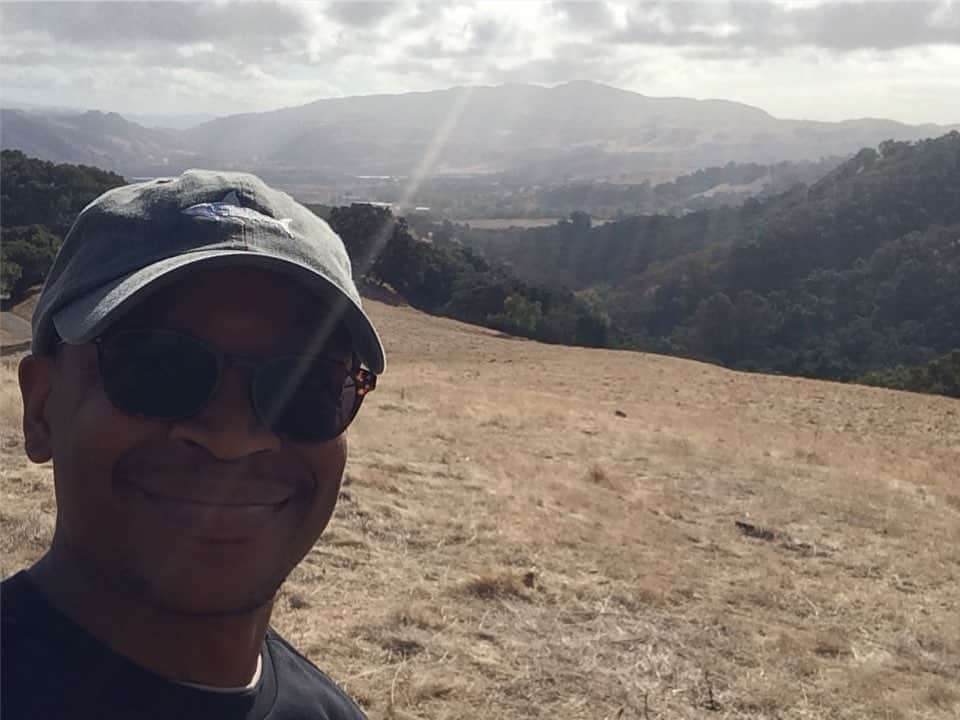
[(213, 650)]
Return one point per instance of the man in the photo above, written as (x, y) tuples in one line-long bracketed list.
[(199, 349)]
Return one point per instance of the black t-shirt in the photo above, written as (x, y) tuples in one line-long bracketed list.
[(51, 668)]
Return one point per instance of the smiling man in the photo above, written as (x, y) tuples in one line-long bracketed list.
[(199, 350)]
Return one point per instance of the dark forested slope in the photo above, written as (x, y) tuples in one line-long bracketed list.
[(38, 204), (856, 273)]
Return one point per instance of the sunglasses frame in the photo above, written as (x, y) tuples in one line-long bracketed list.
[(365, 381)]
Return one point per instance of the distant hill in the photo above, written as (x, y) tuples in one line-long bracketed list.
[(575, 131), (176, 121), (106, 140)]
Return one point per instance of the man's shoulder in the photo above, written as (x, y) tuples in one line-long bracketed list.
[(13, 591), (302, 683), (51, 669), (23, 611)]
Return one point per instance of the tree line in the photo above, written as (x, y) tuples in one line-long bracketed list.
[(450, 279)]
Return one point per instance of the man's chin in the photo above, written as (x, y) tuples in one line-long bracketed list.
[(220, 579), (210, 598)]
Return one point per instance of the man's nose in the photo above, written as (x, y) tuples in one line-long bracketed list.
[(228, 428)]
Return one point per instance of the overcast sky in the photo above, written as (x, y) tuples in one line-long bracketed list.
[(826, 61)]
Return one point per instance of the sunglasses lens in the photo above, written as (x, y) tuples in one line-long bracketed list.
[(156, 374), (304, 399)]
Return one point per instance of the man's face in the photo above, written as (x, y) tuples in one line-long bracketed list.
[(205, 515)]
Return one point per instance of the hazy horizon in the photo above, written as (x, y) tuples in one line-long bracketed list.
[(187, 119), (798, 60)]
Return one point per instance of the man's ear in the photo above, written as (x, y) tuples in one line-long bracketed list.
[(36, 384)]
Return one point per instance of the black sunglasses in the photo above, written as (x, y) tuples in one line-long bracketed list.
[(164, 375)]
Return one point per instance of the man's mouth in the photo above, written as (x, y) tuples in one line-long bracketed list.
[(213, 518), (212, 502)]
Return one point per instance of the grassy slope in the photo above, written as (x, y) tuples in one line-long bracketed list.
[(508, 546)]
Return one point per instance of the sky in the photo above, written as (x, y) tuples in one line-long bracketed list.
[(795, 59)]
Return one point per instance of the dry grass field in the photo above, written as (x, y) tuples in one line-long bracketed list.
[(532, 531)]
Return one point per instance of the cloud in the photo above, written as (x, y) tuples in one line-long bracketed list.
[(106, 26), (570, 61), (592, 15), (884, 26), (361, 14), (751, 26), (228, 56), (477, 37)]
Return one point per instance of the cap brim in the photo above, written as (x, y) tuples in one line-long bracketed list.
[(88, 316)]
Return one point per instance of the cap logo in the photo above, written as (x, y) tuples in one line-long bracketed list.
[(230, 211)]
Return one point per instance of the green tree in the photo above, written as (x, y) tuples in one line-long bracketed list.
[(366, 230), (29, 249), (36, 192), (714, 331), (10, 274), (756, 322), (520, 316)]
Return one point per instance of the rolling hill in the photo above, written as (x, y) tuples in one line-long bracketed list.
[(574, 131), (92, 138)]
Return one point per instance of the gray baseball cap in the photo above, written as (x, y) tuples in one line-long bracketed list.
[(134, 239)]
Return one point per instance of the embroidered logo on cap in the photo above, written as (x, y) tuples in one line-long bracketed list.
[(230, 210)]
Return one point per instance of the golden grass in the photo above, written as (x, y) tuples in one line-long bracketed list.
[(509, 546)]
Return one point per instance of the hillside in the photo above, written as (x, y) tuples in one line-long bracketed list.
[(509, 548), (852, 274), (574, 131), (106, 140), (39, 203)]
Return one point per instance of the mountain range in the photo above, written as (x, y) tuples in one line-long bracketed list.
[(574, 131)]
